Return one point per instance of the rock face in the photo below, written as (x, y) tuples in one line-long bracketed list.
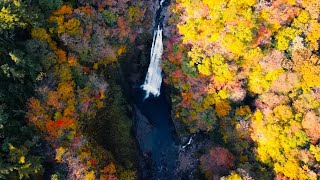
[(167, 28), (143, 130)]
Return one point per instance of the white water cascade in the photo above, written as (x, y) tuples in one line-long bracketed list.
[(153, 80)]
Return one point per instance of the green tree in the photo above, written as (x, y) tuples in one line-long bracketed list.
[(109, 17), (49, 5)]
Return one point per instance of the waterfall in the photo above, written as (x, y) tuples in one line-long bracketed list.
[(189, 142), (152, 82)]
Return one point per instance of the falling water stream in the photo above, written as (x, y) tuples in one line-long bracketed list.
[(153, 80), (154, 128), (152, 83)]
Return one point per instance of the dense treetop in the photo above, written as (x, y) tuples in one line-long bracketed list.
[(251, 68)]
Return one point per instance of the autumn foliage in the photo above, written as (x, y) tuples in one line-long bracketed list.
[(216, 162), (73, 91), (252, 68)]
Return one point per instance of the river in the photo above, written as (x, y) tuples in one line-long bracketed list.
[(153, 126), (156, 137)]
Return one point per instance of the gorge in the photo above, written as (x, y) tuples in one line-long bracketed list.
[(156, 142)]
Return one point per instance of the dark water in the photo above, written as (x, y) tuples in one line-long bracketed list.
[(154, 129), (157, 141)]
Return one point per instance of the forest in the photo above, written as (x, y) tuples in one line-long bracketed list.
[(241, 79)]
